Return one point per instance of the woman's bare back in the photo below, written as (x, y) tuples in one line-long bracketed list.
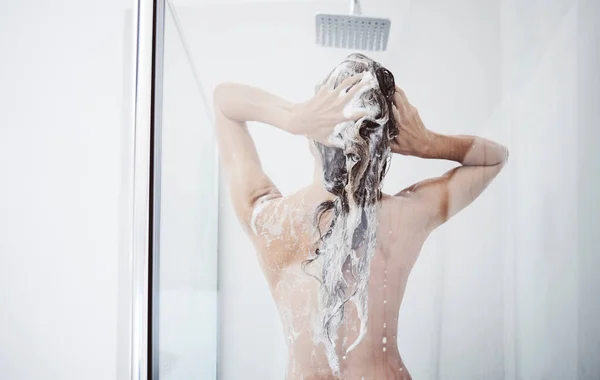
[(284, 236)]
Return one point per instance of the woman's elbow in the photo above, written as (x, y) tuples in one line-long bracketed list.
[(226, 98), (220, 94), (504, 155), (500, 155)]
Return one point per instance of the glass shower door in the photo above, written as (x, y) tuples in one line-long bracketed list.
[(506, 290), (185, 283)]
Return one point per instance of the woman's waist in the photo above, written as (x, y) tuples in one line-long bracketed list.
[(388, 370), (373, 361)]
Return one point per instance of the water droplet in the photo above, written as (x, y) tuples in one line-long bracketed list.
[(384, 340), (384, 325), (344, 357), (384, 301), (384, 285), (384, 349)]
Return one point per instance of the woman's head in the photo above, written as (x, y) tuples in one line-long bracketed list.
[(353, 171), (360, 149)]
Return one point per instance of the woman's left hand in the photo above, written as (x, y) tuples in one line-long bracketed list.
[(317, 118), (413, 138)]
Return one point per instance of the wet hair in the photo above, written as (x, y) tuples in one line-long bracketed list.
[(353, 172)]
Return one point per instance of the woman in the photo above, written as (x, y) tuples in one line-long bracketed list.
[(337, 254)]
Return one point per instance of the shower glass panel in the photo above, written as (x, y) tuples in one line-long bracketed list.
[(506, 289), (185, 327)]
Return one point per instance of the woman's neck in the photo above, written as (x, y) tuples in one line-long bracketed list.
[(317, 181)]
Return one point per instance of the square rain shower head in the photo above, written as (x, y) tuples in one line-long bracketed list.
[(352, 32)]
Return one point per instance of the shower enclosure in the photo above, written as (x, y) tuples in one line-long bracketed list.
[(505, 290)]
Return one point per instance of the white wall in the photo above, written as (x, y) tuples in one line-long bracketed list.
[(503, 291), (541, 75), (65, 160), (588, 184)]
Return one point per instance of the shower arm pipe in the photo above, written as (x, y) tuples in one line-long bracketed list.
[(355, 9)]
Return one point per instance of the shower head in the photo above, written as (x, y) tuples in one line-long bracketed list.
[(352, 31)]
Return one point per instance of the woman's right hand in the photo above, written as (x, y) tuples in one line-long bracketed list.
[(413, 138), (317, 118)]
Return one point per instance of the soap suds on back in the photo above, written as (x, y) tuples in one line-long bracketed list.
[(260, 205)]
